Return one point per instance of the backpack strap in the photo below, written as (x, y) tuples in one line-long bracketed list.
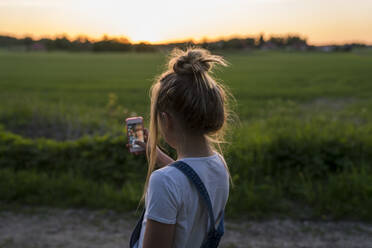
[(193, 176), (137, 231)]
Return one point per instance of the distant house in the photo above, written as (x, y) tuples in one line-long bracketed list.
[(39, 47), (326, 49), (298, 46), (269, 46)]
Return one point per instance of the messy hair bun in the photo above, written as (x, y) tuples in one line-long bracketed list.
[(191, 61), (188, 90)]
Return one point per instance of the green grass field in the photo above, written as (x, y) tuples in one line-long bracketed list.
[(304, 136), (262, 82)]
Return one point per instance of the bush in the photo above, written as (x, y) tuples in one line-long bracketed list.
[(278, 167), (101, 159), (281, 166)]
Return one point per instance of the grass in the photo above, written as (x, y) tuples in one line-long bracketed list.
[(64, 190), (303, 141), (262, 82)]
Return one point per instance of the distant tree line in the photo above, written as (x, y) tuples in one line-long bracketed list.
[(122, 44), (81, 43)]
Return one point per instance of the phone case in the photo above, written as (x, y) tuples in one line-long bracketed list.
[(134, 121)]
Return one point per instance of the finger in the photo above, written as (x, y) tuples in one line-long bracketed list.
[(137, 153), (140, 143)]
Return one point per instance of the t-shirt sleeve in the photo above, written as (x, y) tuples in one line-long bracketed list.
[(162, 199)]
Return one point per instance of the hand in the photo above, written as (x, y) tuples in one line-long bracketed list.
[(140, 143), (162, 158)]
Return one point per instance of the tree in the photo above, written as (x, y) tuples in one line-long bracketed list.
[(28, 41), (261, 40)]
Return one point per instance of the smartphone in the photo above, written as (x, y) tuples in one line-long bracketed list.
[(135, 132)]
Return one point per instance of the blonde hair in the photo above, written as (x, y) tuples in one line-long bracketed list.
[(198, 101)]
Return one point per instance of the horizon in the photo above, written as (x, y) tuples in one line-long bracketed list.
[(336, 22), (207, 39)]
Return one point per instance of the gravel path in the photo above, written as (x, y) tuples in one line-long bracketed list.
[(30, 227)]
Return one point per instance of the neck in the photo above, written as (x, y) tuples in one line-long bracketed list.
[(194, 146)]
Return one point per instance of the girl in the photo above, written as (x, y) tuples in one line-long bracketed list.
[(189, 110)]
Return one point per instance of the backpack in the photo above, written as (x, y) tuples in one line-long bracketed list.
[(214, 235)]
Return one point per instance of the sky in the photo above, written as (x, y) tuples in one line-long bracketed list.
[(320, 21)]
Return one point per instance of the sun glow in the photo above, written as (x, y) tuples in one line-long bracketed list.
[(164, 20)]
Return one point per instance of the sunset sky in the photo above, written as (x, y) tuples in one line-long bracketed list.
[(321, 21)]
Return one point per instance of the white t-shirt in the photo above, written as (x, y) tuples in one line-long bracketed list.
[(173, 199)]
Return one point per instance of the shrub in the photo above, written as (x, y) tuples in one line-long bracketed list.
[(101, 159), (276, 165)]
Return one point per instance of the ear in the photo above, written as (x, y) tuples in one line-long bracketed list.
[(167, 120)]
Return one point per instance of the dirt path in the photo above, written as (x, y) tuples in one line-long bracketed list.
[(48, 227)]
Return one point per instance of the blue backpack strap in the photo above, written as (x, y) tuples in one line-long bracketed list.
[(193, 176), (137, 231)]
